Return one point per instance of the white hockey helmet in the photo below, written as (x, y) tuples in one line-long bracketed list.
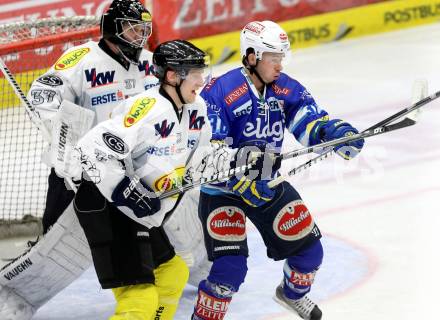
[(263, 36)]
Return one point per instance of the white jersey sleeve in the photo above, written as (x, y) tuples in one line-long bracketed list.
[(88, 76), (148, 140)]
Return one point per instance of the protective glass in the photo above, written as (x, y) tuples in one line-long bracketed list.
[(200, 76), (275, 59), (135, 32)]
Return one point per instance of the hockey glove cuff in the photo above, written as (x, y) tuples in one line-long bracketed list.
[(335, 129), (255, 193)]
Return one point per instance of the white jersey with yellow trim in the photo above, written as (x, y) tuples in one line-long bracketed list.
[(88, 76), (145, 138)]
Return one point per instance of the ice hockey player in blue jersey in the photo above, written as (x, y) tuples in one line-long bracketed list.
[(250, 108)]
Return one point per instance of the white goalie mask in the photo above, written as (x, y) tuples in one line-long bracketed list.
[(264, 36)]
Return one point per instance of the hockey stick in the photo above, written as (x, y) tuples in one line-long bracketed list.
[(413, 108), (221, 176), (30, 110)]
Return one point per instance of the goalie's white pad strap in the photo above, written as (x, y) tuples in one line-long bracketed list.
[(69, 125), (59, 258)]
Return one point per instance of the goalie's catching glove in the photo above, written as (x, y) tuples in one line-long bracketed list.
[(136, 195), (335, 129)]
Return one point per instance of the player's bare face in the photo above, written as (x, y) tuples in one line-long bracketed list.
[(270, 66), (194, 80)]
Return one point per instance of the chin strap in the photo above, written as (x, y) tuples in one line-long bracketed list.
[(253, 70), (177, 87)]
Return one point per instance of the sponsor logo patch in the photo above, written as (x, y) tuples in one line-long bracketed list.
[(71, 59), (210, 306), (227, 224), (293, 222), (146, 67), (263, 131), (280, 91), (18, 269), (195, 123), (114, 143), (245, 108), (235, 94), (164, 129), (138, 110), (209, 85), (254, 27), (108, 97), (50, 80), (98, 79), (170, 181)]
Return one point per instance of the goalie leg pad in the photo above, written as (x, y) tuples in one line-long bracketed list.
[(14, 307), (54, 262)]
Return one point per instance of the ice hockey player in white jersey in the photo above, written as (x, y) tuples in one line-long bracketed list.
[(94, 77), (127, 161)]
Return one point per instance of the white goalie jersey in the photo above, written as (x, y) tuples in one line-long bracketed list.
[(145, 138), (94, 83), (88, 76)]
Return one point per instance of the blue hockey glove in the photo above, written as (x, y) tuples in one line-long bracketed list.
[(136, 195), (337, 128), (254, 192)]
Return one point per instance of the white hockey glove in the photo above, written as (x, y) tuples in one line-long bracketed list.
[(215, 158)]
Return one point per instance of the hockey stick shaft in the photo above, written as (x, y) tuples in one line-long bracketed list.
[(30, 110), (386, 121), (221, 176), (33, 115)]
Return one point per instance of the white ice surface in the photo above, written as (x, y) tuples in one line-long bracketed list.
[(380, 213)]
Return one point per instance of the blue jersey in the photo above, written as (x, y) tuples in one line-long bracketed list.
[(241, 115)]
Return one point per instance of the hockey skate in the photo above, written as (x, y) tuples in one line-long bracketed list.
[(304, 307)]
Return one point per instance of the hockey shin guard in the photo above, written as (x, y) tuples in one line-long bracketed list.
[(215, 294), (300, 270)]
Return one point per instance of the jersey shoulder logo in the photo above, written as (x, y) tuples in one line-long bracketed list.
[(50, 80), (115, 143), (71, 59), (138, 110)]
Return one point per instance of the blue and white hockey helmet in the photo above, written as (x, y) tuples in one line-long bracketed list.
[(263, 36)]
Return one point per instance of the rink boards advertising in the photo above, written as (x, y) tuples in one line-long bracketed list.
[(214, 25)]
